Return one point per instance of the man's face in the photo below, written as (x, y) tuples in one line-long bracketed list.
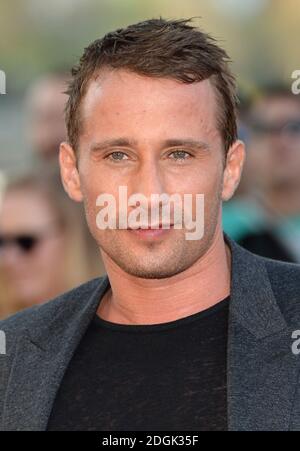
[(153, 136), (274, 147)]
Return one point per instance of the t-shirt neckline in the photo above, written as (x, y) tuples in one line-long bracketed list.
[(162, 326)]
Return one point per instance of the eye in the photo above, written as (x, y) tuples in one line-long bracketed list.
[(117, 156), (180, 155)]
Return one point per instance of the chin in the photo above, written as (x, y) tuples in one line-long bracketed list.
[(154, 269)]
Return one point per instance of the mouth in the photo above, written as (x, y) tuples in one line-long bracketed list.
[(152, 227), (152, 232)]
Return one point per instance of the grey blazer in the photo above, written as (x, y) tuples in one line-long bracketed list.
[(263, 371)]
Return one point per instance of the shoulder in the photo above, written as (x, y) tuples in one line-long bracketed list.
[(47, 321)]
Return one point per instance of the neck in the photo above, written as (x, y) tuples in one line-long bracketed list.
[(153, 301)]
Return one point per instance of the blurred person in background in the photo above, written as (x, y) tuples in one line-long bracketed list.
[(45, 105), (43, 247), (265, 217)]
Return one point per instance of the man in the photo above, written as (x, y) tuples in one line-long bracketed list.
[(273, 169), (265, 218), (182, 334)]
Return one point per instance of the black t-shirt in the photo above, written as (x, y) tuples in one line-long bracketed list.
[(169, 376)]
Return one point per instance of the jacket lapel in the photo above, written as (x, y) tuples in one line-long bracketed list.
[(45, 354), (262, 370)]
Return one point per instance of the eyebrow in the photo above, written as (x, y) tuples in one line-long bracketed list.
[(125, 142), (187, 143), (118, 142)]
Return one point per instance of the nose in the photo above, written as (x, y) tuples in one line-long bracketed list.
[(149, 181)]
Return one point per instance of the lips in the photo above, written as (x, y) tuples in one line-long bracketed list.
[(153, 227), (151, 233)]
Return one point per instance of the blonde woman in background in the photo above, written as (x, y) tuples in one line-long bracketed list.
[(44, 245)]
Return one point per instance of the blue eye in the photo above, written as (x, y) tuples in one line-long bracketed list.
[(180, 155), (117, 156)]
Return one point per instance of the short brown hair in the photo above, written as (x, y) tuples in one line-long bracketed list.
[(158, 48)]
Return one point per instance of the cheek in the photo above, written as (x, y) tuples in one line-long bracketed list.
[(205, 181), (208, 184), (95, 180)]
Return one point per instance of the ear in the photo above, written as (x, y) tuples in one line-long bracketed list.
[(69, 172), (233, 169)]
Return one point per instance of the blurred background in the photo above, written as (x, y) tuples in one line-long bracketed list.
[(45, 247)]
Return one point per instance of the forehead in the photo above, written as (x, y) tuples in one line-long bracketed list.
[(119, 98)]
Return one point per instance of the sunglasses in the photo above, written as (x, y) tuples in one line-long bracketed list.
[(25, 243)]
